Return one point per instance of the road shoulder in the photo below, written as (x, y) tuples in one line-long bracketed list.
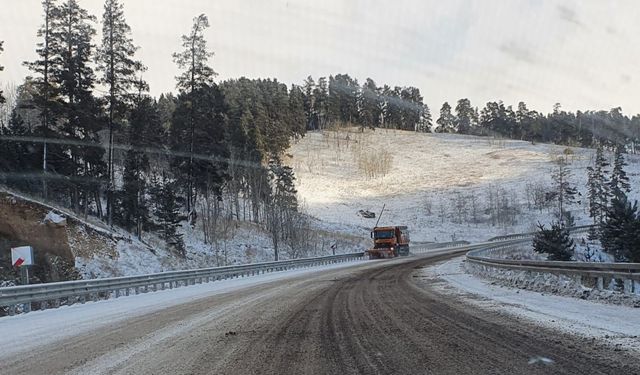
[(617, 326)]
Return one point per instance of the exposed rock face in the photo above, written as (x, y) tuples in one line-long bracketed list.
[(22, 221), (53, 235)]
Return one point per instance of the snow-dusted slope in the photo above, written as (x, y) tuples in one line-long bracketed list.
[(428, 174)]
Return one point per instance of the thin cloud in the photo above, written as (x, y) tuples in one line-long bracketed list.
[(569, 15), (519, 52)]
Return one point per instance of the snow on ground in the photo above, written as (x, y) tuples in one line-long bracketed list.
[(428, 172), (247, 244), (21, 332), (54, 218), (617, 325)]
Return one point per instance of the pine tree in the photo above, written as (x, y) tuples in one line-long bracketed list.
[(309, 102), (524, 121), (620, 233), (619, 183), (198, 131), (446, 120), (17, 158), (369, 104), (197, 75), (135, 212), (411, 108), (78, 112), (464, 116), (343, 98), (425, 124), (296, 118), (597, 187), (321, 103), (167, 213), (556, 242), (119, 74), (2, 99), (565, 193), (48, 50), (392, 108), (283, 202)]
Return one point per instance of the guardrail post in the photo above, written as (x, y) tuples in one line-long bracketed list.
[(628, 286), (578, 279)]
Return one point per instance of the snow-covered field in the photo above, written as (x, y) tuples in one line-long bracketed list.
[(614, 324), (434, 181)]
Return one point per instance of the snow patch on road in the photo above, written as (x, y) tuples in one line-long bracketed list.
[(617, 325)]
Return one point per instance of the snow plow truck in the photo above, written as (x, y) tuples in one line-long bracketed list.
[(389, 242)]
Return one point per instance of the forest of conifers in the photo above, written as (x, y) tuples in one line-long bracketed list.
[(82, 130)]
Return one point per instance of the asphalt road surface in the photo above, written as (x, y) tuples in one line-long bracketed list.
[(374, 318)]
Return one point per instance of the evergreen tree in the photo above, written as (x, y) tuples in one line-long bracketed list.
[(343, 98), (196, 77), (17, 158), (524, 122), (620, 233), (564, 191), (297, 117), (321, 103), (48, 50), (464, 116), (77, 110), (392, 110), (135, 211), (309, 102), (167, 213), (619, 183), (166, 107), (2, 99), (446, 120), (497, 119), (556, 242), (283, 202), (119, 73), (370, 110), (425, 124), (411, 108), (198, 139), (597, 187)]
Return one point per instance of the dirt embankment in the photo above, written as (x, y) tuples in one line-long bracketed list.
[(56, 239)]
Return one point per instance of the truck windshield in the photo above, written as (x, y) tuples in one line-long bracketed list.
[(383, 234)]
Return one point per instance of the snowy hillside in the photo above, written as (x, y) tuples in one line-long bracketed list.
[(441, 185)]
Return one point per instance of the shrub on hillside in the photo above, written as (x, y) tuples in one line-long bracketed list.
[(555, 242)]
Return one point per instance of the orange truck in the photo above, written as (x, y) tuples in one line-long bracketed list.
[(389, 242)]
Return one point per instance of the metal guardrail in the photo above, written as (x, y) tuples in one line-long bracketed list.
[(424, 247), (578, 229), (70, 292), (592, 274)]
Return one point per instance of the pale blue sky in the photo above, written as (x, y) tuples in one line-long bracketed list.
[(583, 54)]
